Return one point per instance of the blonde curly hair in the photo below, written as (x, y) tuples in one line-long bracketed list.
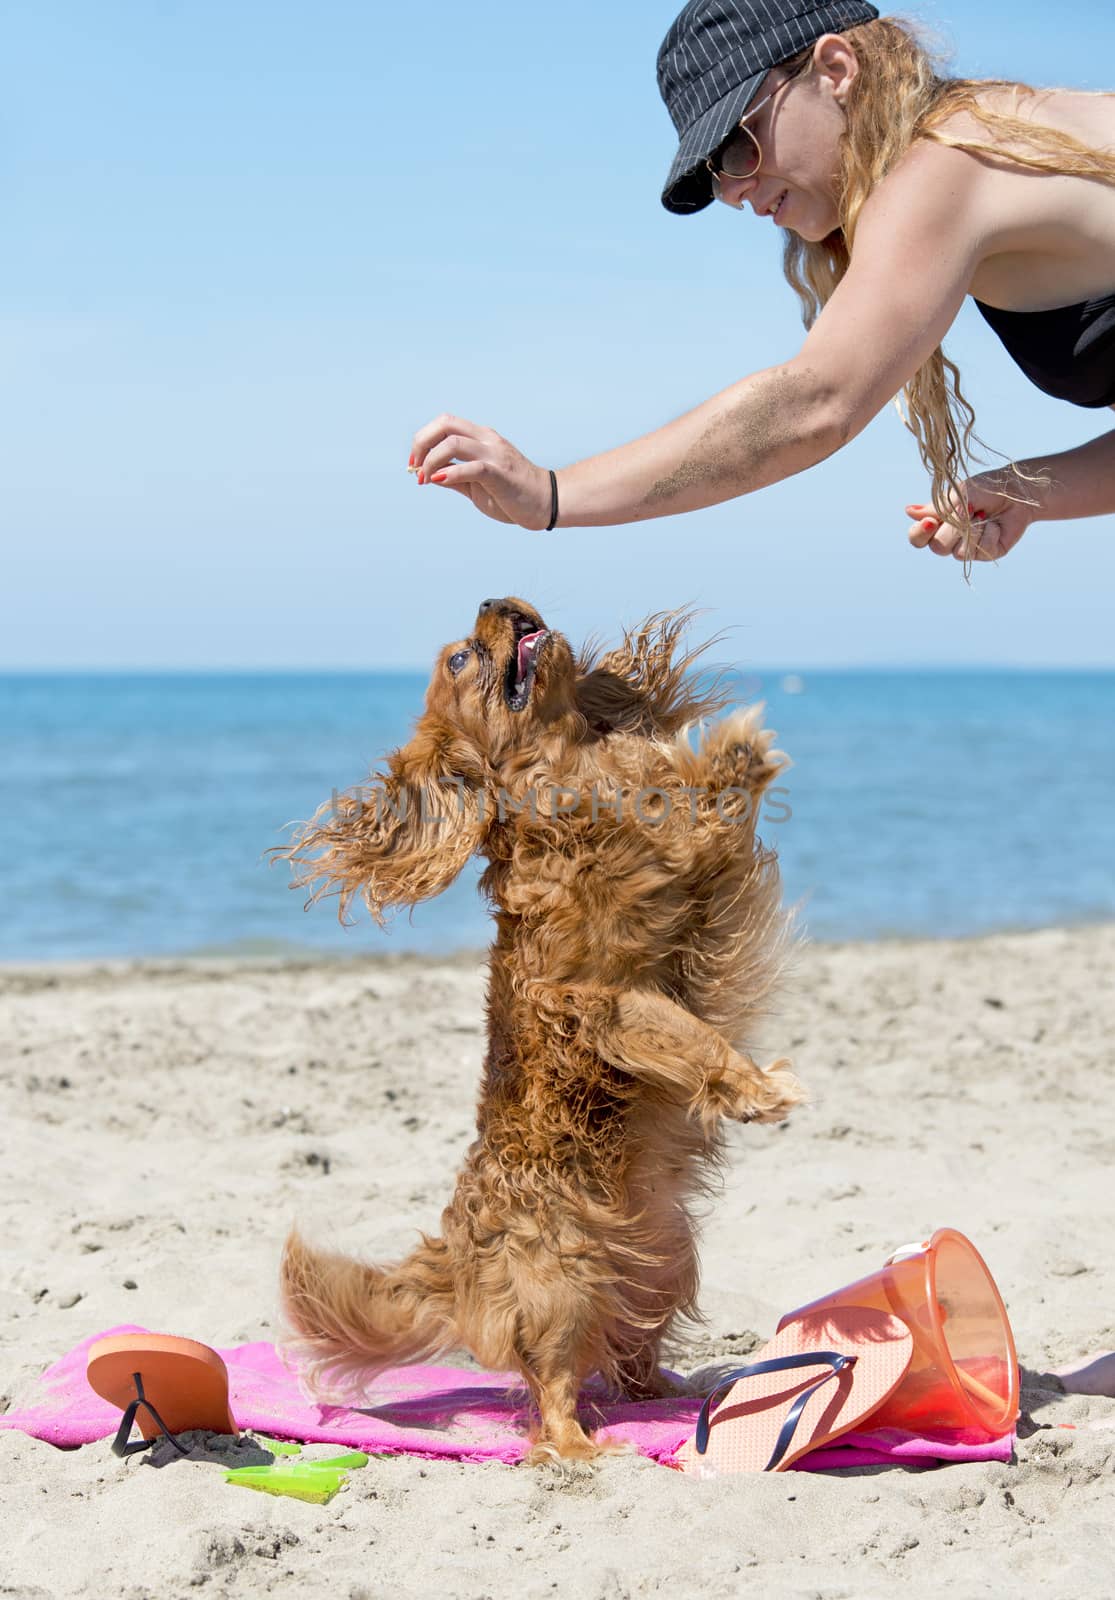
[(900, 94)]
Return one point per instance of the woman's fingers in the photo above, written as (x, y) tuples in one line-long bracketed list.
[(946, 540), (991, 539), (930, 534), (995, 523), (922, 530), (436, 432), (454, 447), (453, 453), (981, 546), (470, 479)]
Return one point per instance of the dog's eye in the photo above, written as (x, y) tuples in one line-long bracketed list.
[(456, 662)]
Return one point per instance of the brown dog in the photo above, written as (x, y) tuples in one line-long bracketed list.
[(639, 932)]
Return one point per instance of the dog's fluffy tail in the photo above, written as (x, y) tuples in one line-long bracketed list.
[(351, 1320)]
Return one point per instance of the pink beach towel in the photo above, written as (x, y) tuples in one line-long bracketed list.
[(447, 1412)]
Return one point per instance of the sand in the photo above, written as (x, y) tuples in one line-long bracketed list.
[(162, 1125)]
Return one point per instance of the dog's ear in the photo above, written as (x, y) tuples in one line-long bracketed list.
[(407, 834)]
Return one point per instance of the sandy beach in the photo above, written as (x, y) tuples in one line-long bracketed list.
[(163, 1124)]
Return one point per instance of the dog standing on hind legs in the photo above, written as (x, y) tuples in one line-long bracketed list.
[(639, 934)]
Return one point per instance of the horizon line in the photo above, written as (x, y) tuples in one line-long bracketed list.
[(423, 669)]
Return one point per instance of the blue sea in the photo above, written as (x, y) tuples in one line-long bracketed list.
[(137, 809)]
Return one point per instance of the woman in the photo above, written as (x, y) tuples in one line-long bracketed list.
[(900, 192)]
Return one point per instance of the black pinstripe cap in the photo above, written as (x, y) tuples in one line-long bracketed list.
[(711, 64)]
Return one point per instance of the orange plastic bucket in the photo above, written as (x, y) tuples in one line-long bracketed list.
[(964, 1372)]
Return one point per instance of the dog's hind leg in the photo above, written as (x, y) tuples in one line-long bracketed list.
[(554, 1389), (555, 1344)]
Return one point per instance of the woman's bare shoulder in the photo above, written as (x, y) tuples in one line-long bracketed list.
[(932, 186), (937, 171), (985, 206), (1089, 117)]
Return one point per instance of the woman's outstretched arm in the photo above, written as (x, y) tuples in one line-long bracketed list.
[(764, 428), (916, 250)]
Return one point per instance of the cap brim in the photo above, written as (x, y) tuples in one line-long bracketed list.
[(689, 185)]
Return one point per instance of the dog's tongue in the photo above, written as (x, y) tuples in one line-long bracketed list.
[(526, 646)]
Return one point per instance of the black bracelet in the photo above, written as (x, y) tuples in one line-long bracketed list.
[(553, 502)]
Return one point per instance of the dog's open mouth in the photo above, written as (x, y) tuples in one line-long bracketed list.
[(529, 641)]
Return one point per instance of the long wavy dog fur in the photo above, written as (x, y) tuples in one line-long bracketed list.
[(637, 941)]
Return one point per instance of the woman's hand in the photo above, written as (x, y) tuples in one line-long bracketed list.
[(1000, 519), (479, 463)]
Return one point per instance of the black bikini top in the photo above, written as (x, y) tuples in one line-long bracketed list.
[(1069, 351)]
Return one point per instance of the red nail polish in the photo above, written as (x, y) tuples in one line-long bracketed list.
[(410, 459), (928, 523), (438, 477), (421, 479)]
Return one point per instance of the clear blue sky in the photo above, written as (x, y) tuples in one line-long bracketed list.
[(248, 248)]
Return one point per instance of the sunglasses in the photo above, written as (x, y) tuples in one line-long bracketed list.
[(740, 155)]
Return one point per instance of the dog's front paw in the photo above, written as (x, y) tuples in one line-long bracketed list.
[(777, 1095), (750, 1093)]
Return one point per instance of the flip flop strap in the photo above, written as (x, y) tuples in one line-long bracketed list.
[(120, 1445), (838, 1363)]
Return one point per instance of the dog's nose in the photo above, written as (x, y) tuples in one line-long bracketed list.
[(489, 605)]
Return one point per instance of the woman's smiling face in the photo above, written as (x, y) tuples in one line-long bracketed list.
[(798, 131)]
